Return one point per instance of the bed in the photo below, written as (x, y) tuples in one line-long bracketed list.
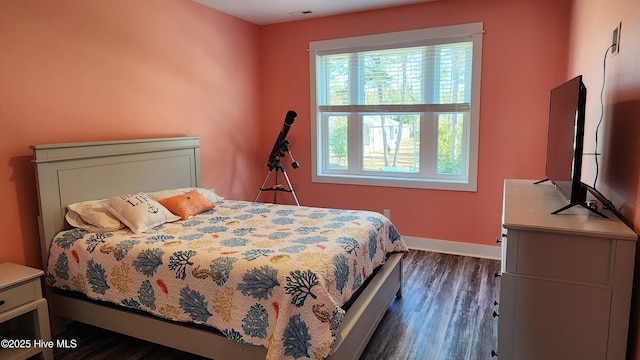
[(76, 172)]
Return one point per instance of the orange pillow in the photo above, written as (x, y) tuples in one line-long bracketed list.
[(188, 204)]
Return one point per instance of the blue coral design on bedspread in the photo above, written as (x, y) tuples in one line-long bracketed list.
[(265, 274)]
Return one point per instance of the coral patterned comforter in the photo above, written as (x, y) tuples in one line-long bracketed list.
[(265, 274)]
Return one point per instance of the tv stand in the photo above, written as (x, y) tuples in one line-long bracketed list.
[(541, 181), (582, 203)]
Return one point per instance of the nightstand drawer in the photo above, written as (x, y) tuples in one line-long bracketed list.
[(17, 295)]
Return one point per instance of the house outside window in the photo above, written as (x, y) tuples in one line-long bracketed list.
[(397, 109)]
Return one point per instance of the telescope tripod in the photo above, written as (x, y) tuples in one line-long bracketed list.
[(276, 188), (279, 151)]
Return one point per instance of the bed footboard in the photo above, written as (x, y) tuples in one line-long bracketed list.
[(367, 311)]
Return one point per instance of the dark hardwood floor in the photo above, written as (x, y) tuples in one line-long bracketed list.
[(445, 313)]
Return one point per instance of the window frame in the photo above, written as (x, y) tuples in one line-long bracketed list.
[(320, 173)]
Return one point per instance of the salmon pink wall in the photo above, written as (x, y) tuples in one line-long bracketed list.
[(619, 173), (89, 70), (524, 55)]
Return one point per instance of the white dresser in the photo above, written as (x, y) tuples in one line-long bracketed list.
[(565, 289)]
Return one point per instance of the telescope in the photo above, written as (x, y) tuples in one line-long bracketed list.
[(279, 151), (281, 146)]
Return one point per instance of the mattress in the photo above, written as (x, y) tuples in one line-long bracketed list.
[(271, 275)]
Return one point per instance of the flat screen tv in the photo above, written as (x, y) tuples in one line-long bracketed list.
[(565, 141)]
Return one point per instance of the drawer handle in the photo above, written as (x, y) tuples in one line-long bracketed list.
[(497, 273), (494, 353), (495, 314), (1, 302), (498, 240)]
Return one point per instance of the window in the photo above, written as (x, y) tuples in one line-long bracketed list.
[(398, 109)]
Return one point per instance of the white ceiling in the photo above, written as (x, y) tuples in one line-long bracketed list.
[(263, 12)]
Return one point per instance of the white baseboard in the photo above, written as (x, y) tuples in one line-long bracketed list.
[(453, 247)]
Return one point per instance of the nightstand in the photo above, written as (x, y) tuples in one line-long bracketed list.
[(24, 317)]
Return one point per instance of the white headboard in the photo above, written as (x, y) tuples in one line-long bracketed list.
[(72, 172)]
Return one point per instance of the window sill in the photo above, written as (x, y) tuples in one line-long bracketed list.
[(432, 184)]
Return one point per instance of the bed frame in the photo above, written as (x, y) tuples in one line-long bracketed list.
[(72, 172)]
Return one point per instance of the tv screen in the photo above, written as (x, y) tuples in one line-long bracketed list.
[(565, 141)]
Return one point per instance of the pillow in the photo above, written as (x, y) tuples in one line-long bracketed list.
[(209, 194), (92, 216), (74, 219), (188, 204), (138, 211)]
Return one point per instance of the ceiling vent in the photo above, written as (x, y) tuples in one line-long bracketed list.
[(301, 13)]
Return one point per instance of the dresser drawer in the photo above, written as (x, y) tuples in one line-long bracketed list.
[(18, 295), (560, 256), (543, 319)]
